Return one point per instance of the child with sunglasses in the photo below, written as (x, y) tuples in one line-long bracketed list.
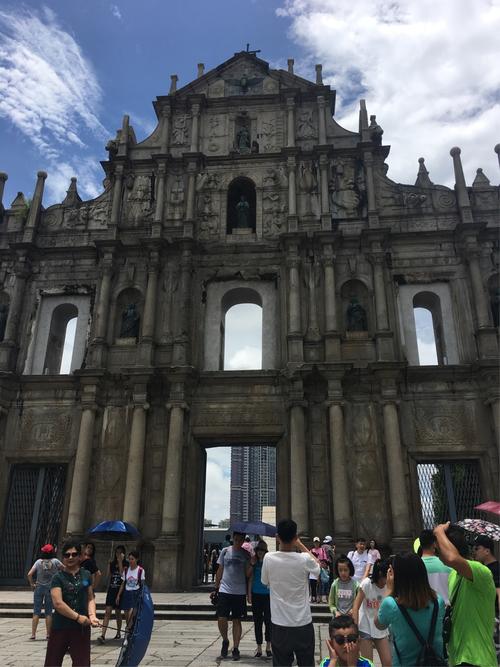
[(343, 645)]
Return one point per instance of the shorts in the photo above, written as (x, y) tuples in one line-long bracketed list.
[(111, 598), (129, 599), (231, 606), (42, 598)]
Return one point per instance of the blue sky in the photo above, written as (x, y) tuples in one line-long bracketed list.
[(69, 71)]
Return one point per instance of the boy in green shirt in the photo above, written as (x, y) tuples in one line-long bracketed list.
[(473, 591), (343, 645)]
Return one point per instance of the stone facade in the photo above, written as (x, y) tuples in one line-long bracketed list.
[(341, 394)]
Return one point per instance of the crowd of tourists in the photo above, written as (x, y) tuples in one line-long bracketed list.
[(436, 606)]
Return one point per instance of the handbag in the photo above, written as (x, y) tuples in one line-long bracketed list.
[(428, 656), (214, 597), (448, 615)]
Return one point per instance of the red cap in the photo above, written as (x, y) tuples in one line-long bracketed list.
[(47, 549)]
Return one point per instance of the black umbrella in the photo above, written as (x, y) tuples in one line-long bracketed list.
[(254, 528)]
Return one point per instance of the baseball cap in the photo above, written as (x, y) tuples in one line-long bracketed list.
[(47, 549), (316, 539), (484, 541), (328, 538)]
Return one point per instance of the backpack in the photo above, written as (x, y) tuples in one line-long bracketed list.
[(428, 656)]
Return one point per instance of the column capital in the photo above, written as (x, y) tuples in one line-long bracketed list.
[(290, 102), (321, 100), (296, 403), (139, 403), (161, 168), (330, 403), (177, 404), (195, 108)]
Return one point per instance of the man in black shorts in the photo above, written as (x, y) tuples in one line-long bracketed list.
[(231, 582)]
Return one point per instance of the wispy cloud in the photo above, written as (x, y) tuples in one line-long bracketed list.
[(429, 70), (48, 89), (115, 10)]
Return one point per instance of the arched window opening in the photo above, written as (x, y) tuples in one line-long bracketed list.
[(429, 329), (241, 205), (241, 330), (61, 340)]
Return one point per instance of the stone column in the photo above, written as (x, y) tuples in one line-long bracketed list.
[(191, 191), (173, 469), (81, 472), (339, 481), (294, 318), (298, 469), (102, 308), (323, 169), (183, 305), (165, 130), (148, 322), (290, 111), (377, 261), (117, 195), (3, 177), (480, 301), (396, 471), (160, 198), (370, 190), (135, 465), (322, 120), (292, 188), (195, 116), (461, 187), (35, 208), (332, 337)]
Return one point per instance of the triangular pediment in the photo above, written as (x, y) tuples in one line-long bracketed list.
[(242, 75)]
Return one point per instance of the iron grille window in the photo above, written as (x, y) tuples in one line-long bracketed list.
[(448, 491), (32, 517)]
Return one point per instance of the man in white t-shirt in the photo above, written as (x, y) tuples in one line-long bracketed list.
[(286, 572), (359, 558)]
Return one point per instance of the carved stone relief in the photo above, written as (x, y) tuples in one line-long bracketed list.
[(216, 133), (442, 423), (274, 209), (138, 203), (270, 135), (176, 197), (180, 133), (44, 428), (308, 187), (347, 189)]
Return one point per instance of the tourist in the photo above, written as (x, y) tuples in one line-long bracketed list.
[(371, 592), (115, 571), (88, 563), (313, 587), (44, 569), (323, 582), (133, 577), (472, 595), (329, 549), (359, 558), (344, 588), (258, 597), (286, 572), (74, 611), (315, 582), (231, 582), (484, 553), (409, 592), (214, 555), (373, 555), (343, 644), (437, 572), (247, 545)]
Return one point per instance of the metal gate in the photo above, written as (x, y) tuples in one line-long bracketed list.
[(448, 491), (32, 517)]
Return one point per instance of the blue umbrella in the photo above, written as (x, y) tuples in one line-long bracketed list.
[(114, 531), (137, 639), (254, 528)]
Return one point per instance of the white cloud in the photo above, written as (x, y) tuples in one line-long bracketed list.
[(115, 10), (217, 493), (48, 90), (245, 359), (428, 70)]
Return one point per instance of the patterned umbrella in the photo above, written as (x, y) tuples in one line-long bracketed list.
[(481, 527)]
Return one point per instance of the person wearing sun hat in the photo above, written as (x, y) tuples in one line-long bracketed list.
[(484, 552), (44, 569)]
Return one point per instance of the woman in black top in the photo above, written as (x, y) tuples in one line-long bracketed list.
[(88, 563), (115, 570)]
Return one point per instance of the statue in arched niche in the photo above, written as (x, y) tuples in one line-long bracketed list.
[(130, 322), (242, 214), (356, 316)]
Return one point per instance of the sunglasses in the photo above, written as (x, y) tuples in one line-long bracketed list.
[(71, 554), (341, 639)]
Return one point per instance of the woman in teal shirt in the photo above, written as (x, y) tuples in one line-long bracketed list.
[(408, 587), (258, 597)]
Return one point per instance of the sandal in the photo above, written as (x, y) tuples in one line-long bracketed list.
[(269, 653), (118, 635), (32, 638), (258, 654), (101, 639)]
